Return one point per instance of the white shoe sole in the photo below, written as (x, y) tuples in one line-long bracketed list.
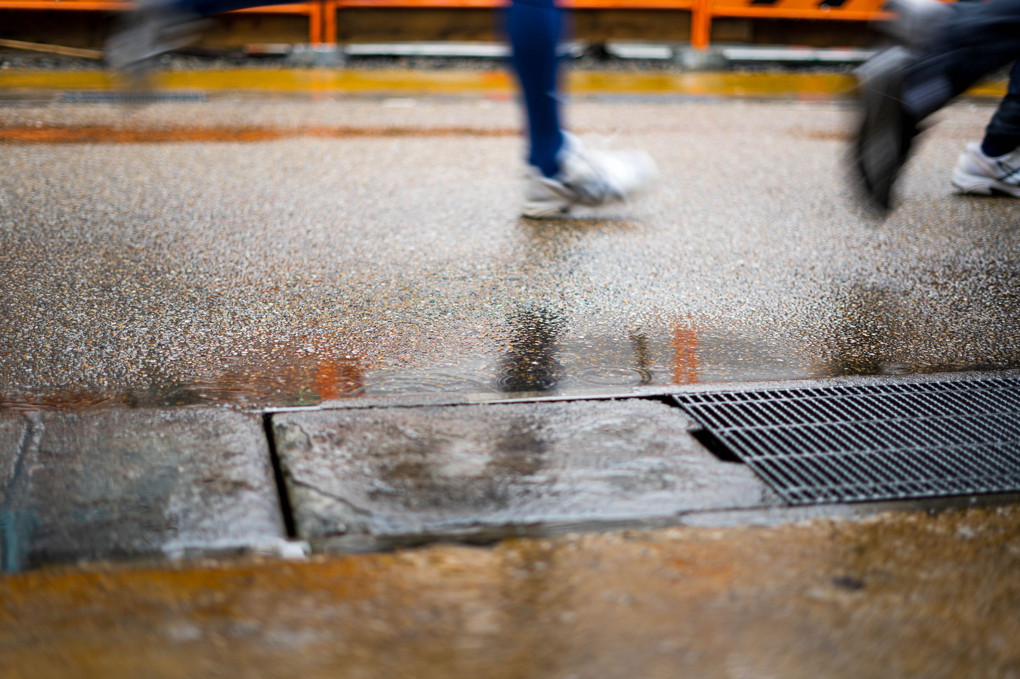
[(545, 209), (981, 185), (547, 199)]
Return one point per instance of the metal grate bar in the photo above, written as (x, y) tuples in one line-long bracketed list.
[(872, 442)]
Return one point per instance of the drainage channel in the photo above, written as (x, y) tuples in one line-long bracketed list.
[(872, 442)]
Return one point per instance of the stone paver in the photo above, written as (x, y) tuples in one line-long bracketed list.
[(129, 483), (12, 434), (15, 437), (360, 479)]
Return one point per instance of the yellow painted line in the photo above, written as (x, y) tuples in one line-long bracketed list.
[(698, 84), (994, 89), (713, 84)]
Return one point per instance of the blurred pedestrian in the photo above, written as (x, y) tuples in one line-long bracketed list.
[(945, 50), (562, 171)]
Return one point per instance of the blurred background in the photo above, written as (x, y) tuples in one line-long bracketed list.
[(685, 33)]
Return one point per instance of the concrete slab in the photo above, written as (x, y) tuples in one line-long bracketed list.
[(15, 437), (129, 483), (365, 479), (12, 434)]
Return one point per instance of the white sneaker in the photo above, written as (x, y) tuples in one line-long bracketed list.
[(587, 177), (977, 173)]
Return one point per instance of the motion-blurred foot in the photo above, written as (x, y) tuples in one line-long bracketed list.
[(886, 129), (587, 177), (152, 29)]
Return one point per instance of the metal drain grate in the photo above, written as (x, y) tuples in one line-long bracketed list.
[(871, 442), (131, 97)]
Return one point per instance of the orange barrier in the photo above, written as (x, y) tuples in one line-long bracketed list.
[(702, 11), (323, 14), (841, 10), (315, 11)]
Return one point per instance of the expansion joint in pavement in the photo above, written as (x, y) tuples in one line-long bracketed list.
[(15, 516), (281, 488)]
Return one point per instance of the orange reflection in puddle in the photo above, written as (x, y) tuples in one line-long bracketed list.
[(685, 354), (300, 373)]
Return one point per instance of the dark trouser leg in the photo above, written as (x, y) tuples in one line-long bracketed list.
[(534, 27), (1003, 132), (977, 39)]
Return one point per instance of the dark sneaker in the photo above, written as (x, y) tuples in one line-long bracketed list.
[(886, 131)]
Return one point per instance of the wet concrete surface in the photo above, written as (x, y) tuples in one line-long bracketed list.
[(904, 595), (363, 254), (388, 260), (135, 483), (371, 479)]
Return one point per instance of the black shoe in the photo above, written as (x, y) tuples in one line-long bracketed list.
[(886, 129)]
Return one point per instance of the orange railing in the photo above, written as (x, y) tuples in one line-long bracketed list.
[(315, 11), (702, 11), (841, 10), (323, 21)]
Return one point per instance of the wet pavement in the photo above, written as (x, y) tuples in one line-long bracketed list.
[(261, 322), (377, 252)]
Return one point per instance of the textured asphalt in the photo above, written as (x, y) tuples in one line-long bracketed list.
[(371, 246)]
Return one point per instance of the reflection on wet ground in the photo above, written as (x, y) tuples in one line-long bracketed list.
[(544, 356), (541, 350), (531, 363), (541, 359), (908, 324)]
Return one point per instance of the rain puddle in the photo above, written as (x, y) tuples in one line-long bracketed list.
[(536, 354), (542, 357), (543, 364)]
